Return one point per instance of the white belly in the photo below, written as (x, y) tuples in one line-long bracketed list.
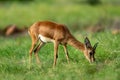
[(45, 39)]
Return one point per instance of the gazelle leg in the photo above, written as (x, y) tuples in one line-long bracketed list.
[(56, 44), (34, 42), (36, 52), (30, 53), (66, 52)]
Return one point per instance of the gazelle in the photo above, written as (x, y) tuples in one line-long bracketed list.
[(46, 31)]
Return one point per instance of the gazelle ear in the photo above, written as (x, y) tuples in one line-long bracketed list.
[(87, 43), (94, 47)]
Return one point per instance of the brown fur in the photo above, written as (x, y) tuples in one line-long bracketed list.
[(59, 33)]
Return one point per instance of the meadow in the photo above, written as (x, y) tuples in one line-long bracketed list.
[(14, 51)]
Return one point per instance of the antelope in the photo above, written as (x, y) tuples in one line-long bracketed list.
[(47, 31)]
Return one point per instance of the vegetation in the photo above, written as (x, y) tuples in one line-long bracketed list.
[(14, 50), (69, 13)]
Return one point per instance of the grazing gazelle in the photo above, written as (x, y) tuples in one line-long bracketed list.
[(47, 31)]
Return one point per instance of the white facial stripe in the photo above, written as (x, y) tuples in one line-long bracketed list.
[(45, 39)]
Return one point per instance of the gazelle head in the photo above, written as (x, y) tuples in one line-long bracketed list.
[(89, 51)]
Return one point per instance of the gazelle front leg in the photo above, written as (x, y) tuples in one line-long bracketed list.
[(36, 52), (66, 52), (56, 44)]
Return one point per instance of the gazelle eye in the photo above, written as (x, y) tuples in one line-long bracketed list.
[(90, 53)]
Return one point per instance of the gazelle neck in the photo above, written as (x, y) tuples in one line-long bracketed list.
[(75, 43)]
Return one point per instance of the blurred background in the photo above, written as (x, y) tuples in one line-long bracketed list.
[(78, 15), (99, 20)]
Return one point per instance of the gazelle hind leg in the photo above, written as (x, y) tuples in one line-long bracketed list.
[(36, 52), (34, 42)]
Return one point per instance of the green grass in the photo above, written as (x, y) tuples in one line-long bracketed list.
[(14, 60), (69, 13), (14, 52)]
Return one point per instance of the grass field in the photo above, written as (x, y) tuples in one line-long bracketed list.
[(14, 61), (14, 51)]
